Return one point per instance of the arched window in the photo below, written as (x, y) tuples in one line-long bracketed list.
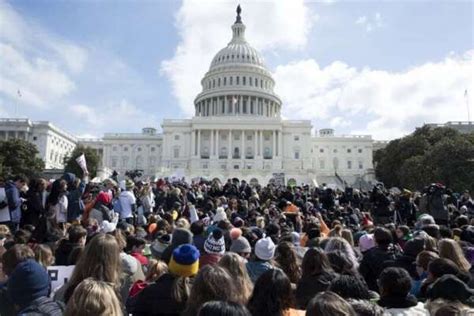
[(237, 79), (225, 78), (219, 82)]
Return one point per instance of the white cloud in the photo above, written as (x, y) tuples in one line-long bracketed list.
[(34, 61), (377, 102), (370, 23), (287, 25), (111, 117)]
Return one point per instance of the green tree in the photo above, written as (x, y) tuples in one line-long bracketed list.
[(18, 156), (92, 159), (428, 155)]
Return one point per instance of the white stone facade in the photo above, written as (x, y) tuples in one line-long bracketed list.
[(53, 144)]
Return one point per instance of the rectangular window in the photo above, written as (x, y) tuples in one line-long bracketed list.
[(361, 165), (250, 81), (297, 155), (230, 80), (176, 137), (237, 80), (321, 164), (360, 150), (297, 138), (249, 137), (225, 81), (176, 152), (321, 150), (244, 80), (349, 150), (349, 164)]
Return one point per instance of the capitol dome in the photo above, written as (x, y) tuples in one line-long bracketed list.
[(238, 83)]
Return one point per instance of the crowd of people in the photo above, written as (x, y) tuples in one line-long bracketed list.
[(210, 248)]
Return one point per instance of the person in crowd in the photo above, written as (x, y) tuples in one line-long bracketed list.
[(179, 237), (264, 252), (135, 247), (199, 238), (170, 292), (366, 308), (341, 245), (329, 304), (57, 202), (374, 259), (241, 246), (101, 261), (422, 261), (76, 188), (94, 297), (101, 211), (29, 287), (351, 287), (235, 265), (214, 248), (222, 308), (273, 296), (127, 202), (287, 260), (211, 283), (407, 259), (451, 289), (77, 236), (316, 277), (35, 202), (450, 249), (12, 190), (395, 285), (44, 255), (147, 199)]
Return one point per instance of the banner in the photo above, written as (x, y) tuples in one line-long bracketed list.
[(279, 179), (59, 275), (81, 161)]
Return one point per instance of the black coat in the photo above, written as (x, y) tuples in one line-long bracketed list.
[(373, 263), (309, 286), (156, 299)]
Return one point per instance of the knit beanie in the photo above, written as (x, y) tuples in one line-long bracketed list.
[(104, 197), (215, 243), (265, 249), (28, 282), (240, 245), (159, 245), (366, 242), (220, 215), (185, 261)]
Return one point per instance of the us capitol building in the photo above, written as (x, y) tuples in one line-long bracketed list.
[(236, 131)]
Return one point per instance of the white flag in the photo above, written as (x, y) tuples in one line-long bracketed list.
[(81, 161)]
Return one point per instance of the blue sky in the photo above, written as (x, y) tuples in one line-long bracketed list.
[(372, 67)]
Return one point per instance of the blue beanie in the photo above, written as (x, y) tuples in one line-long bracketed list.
[(185, 261), (28, 282)]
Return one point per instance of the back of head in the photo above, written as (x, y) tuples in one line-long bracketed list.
[(366, 308), (315, 262), (451, 288), (93, 297), (76, 232), (441, 266), (211, 283), (394, 282), (348, 286), (15, 255), (329, 303), (221, 308), (272, 294), (383, 237), (28, 282)]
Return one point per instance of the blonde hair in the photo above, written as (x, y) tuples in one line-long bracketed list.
[(234, 264), (156, 268), (44, 255), (347, 235), (182, 223), (450, 249), (100, 260), (5, 231), (93, 297)]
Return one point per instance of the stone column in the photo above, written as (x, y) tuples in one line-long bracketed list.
[(193, 143), (241, 103), (255, 149), (260, 150), (211, 147), (274, 144), (280, 144), (229, 150), (242, 150), (199, 144), (217, 143)]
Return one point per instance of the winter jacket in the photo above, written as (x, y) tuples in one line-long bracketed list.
[(309, 286), (403, 306), (14, 201), (35, 208), (100, 213), (156, 299), (43, 306), (76, 205), (372, 264), (256, 268)]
